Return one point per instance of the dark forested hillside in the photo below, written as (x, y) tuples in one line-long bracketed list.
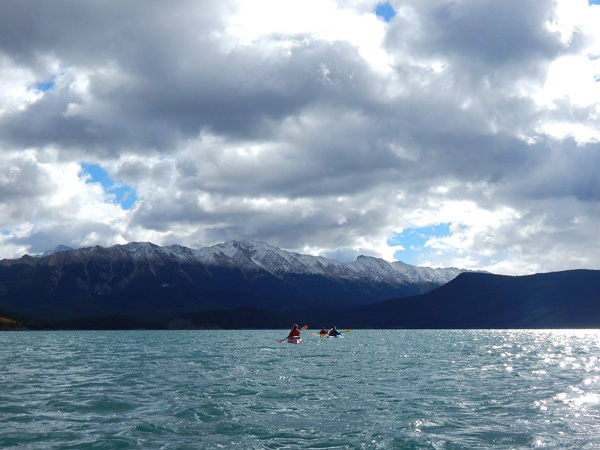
[(569, 299)]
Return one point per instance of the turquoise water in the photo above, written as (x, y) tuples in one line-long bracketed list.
[(373, 389)]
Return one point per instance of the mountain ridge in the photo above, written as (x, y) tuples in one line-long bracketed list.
[(142, 285), (152, 282), (276, 261)]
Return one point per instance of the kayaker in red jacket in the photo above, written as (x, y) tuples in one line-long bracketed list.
[(294, 336), (295, 333)]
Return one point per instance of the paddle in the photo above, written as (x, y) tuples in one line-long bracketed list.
[(305, 327), (347, 331)]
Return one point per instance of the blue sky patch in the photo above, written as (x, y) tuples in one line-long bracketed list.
[(124, 195), (45, 86), (594, 2), (386, 12), (414, 239)]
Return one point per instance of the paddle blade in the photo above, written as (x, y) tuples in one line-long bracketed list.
[(305, 327), (314, 333), (348, 331)]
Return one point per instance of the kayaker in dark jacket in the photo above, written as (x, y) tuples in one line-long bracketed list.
[(323, 330), (334, 332)]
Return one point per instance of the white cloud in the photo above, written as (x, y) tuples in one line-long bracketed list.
[(313, 19), (18, 87), (45, 202), (312, 125)]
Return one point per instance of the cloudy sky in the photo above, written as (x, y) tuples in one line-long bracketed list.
[(443, 133)]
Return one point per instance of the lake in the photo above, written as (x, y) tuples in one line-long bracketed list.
[(413, 389)]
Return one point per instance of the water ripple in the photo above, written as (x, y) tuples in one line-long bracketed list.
[(374, 389)]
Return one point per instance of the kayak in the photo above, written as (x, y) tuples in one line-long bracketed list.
[(339, 336), (294, 340), (322, 334)]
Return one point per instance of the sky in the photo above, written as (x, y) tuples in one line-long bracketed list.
[(442, 133)]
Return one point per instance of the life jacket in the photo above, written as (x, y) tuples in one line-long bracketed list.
[(294, 333)]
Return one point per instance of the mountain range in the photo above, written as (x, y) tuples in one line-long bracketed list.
[(149, 282), (245, 284)]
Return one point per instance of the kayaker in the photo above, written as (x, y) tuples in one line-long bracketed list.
[(323, 330), (295, 333), (334, 332)]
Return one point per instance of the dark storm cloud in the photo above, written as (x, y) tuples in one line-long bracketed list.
[(496, 34), (566, 170), (94, 33), (493, 40), (163, 91), (153, 81), (21, 180), (134, 53)]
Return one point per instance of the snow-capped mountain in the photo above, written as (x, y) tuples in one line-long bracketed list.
[(256, 256), (59, 248), (281, 263), (146, 280)]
